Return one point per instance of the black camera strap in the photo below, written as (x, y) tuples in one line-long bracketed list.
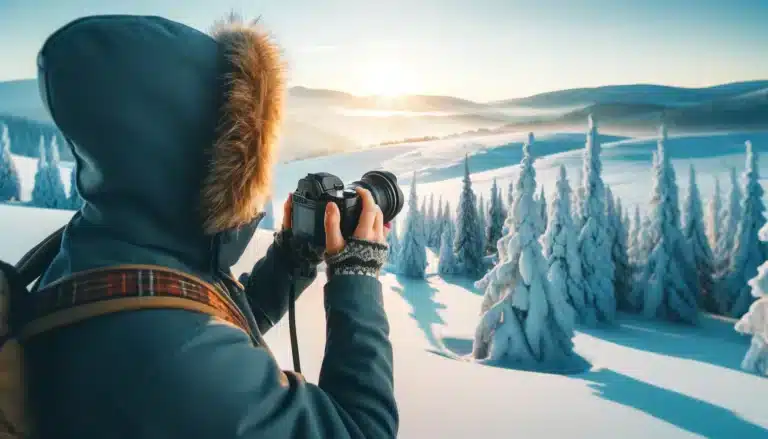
[(292, 324)]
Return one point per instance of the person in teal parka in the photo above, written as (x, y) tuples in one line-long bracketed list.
[(174, 133)]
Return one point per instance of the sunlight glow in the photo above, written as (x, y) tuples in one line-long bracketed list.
[(386, 78)]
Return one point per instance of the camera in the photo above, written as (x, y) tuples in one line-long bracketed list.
[(315, 191)]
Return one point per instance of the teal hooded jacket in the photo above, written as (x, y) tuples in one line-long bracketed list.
[(174, 132)]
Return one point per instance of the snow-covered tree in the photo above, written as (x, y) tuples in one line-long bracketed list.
[(755, 323), (594, 242), (576, 197), (635, 230), (436, 229), (412, 261), (542, 201), (482, 219), (668, 273), (524, 319), (561, 246), (75, 201), (429, 220), (447, 259), (495, 219), (695, 234), (468, 244), (731, 218), (10, 184), (714, 218), (619, 252), (413, 241), (48, 191), (749, 252), (393, 240)]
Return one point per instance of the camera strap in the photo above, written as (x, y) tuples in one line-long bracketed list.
[(292, 322)]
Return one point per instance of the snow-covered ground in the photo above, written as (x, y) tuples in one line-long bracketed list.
[(648, 379)]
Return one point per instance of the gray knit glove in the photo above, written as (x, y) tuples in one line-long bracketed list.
[(299, 254), (358, 257)]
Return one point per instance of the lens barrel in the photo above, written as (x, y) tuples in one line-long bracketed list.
[(385, 190)]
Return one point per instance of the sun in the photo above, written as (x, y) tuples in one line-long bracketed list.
[(386, 78)]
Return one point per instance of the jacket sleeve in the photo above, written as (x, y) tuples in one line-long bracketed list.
[(270, 280), (218, 385)]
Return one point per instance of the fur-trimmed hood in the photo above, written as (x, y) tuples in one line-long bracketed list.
[(246, 94), (174, 132)]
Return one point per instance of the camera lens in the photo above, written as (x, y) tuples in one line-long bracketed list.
[(387, 194)]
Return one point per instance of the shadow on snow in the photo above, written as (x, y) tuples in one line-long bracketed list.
[(685, 412), (713, 341), (424, 308)]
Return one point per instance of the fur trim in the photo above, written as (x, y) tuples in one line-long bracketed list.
[(239, 181)]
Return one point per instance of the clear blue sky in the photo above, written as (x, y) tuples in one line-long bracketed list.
[(477, 49)]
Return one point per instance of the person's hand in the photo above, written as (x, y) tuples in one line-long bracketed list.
[(370, 227)]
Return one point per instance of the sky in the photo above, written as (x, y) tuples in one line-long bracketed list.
[(482, 50)]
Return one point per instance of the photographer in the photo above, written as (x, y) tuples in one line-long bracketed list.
[(174, 133)]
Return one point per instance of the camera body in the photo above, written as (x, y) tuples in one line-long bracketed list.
[(316, 190)]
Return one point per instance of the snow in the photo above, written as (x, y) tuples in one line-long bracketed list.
[(649, 379)]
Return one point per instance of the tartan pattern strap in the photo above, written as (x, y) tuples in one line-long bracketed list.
[(124, 282)]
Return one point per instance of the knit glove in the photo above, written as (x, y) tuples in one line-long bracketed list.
[(358, 257), (299, 254)]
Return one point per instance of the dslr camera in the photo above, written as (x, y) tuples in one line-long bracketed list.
[(315, 191)]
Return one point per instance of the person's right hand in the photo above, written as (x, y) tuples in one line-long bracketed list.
[(369, 228)]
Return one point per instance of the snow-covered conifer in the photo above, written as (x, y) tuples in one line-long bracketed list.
[(668, 273), (495, 219), (447, 259), (730, 224), (525, 320), (412, 260), (468, 245), (695, 234), (749, 252), (48, 191), (561, 246), (714, 218), (10, 184), (594, 242)]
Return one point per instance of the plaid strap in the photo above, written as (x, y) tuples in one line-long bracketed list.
[(123, 288)]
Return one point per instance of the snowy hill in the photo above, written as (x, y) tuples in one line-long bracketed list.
[(647, 379)]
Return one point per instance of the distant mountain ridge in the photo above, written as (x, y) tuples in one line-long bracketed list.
[(321, 121)]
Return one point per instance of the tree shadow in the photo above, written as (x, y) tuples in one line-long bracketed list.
[(685, 412), (713, 341), (424, 308)]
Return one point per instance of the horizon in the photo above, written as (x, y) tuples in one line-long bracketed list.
[(352, 48)]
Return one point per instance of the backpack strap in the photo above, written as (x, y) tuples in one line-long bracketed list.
[(109, 290)]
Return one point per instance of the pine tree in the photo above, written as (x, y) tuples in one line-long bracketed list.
[(75, 201), (714, 218), (635, 230), (749, 252), (542, 200), (495, 220), (413, 250), (694, 233), (482, 220), (447, 259), (429, 221), (393, 240), (424, 224), (623, 273), (436, 231), (576, 200), (754, 323), (594, 242), (10, 183), (667, 275), (561, 246), (468, 245), (731, 219), (48, 191), (525, 319)]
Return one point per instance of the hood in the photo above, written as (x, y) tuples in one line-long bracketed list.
[(174, 131)]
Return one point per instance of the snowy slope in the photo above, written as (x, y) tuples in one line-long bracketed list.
[(649, 380)]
